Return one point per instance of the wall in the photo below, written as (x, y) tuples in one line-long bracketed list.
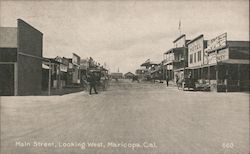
[(193, 49), (8, 57), (180, 42), (239, 52), (8, 54), (29, 65), (8, 37)]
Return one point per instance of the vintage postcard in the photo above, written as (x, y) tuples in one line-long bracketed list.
[(124, 77)]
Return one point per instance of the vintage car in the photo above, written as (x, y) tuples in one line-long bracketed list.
[(188, 83)]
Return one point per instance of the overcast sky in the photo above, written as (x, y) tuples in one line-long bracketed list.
[(125, 34)]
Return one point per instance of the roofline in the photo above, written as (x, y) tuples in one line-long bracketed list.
[(179, 38), (175, 49), (8, 27), (196, 38), (29, 25)]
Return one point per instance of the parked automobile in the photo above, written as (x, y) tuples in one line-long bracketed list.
[(188, 83)]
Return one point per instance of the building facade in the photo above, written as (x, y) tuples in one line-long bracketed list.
[(128, 75), (218, 63), (227, 63), (175, 60), (148, 66), (196, 57), (20, 47)]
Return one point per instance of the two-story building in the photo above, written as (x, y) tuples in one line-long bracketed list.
[(74, 71), (150, 67), (196, 57), (175, 60)]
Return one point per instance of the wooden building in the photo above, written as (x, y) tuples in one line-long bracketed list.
[(21, 51)]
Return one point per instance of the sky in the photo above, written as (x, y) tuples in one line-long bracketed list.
[(124, 34)]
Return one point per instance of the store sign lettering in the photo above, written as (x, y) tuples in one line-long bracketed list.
[(217, 42), (196, 46), (212, 59), (223, 55)]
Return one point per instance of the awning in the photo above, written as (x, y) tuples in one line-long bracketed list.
[(197, 67), (236, 61), (180, 69)]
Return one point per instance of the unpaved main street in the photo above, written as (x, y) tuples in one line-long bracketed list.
[(129, 118)]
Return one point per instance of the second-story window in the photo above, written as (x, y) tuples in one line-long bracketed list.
[(194, 57), (199, 55), (191, 58)]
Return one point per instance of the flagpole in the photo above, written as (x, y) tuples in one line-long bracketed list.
[(179, 27)]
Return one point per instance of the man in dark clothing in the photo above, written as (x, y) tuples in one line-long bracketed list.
[(92, 83), (167, 79)]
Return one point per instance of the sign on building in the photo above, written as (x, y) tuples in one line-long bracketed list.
[(215, 57), (222, 55), (217, 42)]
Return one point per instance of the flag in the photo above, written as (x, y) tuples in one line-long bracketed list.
[(179, 25)]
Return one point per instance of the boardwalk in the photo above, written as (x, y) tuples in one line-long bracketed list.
[(128, 118)]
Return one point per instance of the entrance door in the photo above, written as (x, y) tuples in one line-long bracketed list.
[(6, 79)]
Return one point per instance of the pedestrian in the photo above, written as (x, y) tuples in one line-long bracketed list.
[(92, 83), (177, 79), (167, 79)]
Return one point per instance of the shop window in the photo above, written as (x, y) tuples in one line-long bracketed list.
[(191, 58)]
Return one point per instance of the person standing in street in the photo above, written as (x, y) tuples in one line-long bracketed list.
[(167, 79), (92, 83), (177, 79)]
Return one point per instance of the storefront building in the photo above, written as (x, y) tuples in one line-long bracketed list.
[(149, 67), (20, 60), (157, 72), (175, 60), (196, 58), (141, 73), (218, 63), (61, 72), (74, 72), (227, 63)]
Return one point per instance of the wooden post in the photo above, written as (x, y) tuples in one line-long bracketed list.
[(217, 75), (238, 76), (49, 84), (227, 76), (15, 79), (208, 74), (202, 76)]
